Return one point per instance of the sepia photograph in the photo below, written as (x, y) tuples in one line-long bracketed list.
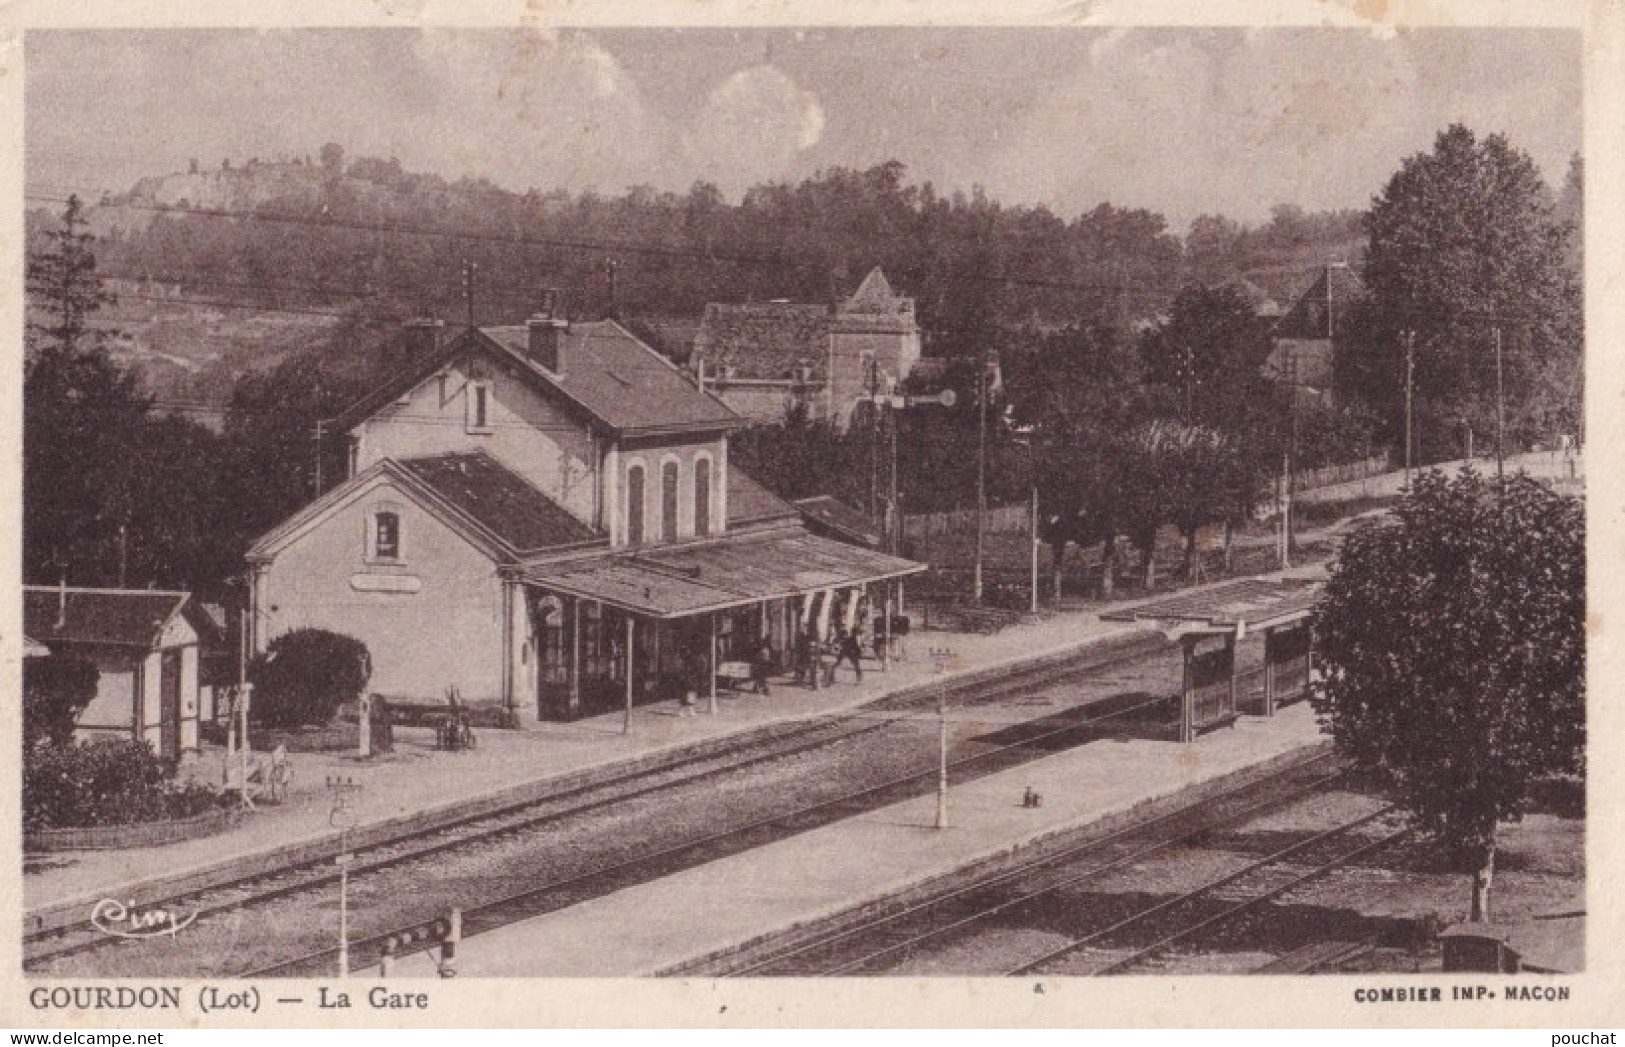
[(1063, 503)]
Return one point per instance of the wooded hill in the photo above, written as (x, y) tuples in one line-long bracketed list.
[(335, 254)]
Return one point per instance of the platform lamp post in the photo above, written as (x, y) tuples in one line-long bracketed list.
[(941, 659)]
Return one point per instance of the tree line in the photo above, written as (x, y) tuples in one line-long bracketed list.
[(1129, 403)]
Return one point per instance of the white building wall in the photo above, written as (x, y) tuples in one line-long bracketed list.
[(430, 621), (526, 433)]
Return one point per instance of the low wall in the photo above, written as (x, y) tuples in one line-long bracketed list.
[(142, 834)]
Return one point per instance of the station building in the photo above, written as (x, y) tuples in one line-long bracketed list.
[(544, 517)]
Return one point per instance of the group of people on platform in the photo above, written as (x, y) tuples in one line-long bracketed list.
[(821, 645)]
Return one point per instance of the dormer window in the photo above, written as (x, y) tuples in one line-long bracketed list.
[(479, 406)]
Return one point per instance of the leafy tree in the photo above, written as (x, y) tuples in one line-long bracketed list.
[(111, 495), (1451, 642), (1201, 476), (56, 689), (1209, 353), (1465, 243), (802, 457), (271, 452), (303, 676), (1078, 391), (81, 415)]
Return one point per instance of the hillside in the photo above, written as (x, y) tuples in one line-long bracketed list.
[(253, 262)]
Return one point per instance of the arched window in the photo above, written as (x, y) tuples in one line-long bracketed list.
[(383, 535), (387, 536), (668, 501), (634, 505), (702, 497)]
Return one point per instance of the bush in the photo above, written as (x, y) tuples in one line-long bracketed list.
[(120, 782), (305, 675), (56, 690)]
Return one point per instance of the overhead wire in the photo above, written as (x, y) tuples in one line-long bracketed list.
[(779, 261)]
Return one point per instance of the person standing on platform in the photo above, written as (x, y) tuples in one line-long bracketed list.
[(850, 649), (761, 665)]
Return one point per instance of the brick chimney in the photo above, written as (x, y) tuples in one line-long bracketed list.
[(546, 327), (422, 337)]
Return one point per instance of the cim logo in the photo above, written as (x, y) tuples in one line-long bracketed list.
[(124, 920)]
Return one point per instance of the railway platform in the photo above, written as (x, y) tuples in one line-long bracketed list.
[(336, 792), (665, 925)]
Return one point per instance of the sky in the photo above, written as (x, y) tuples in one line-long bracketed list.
[(1179, 121)]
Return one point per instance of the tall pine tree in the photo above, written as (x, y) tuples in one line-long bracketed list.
[(82, 415)]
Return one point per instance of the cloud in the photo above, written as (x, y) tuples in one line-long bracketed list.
[(752, 127), (540, 109), (1187, 122)]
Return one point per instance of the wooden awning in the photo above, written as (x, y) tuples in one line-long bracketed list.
[(681, 580)]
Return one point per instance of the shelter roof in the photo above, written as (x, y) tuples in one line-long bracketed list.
[(1246, 603), (693, 578), (113, 617)]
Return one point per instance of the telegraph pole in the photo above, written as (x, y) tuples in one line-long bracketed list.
[(874, 437), (1033, 550), (981, 471), (318, 441), (1500, 415), (1292, 462), (1410, 374), (469, 269)]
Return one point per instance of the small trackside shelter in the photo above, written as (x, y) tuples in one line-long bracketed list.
[(1280, 609), (144, 644)]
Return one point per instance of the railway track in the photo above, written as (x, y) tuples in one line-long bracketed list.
[(378, 858), (531, 902), (889, 936), (1181, 918)]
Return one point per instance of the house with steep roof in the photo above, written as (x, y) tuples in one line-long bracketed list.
[(765, 358), (543, 516), (144, 644), (1304, 340)]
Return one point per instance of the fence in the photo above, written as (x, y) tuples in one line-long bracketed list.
[(1005, 519), (1325, 476), (1017, 518)]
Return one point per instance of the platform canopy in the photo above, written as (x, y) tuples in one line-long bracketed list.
[(683, 580), (1231, 608)]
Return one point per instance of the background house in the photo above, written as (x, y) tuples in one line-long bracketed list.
[(763, 358), (1304, 341), (145, 645)]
